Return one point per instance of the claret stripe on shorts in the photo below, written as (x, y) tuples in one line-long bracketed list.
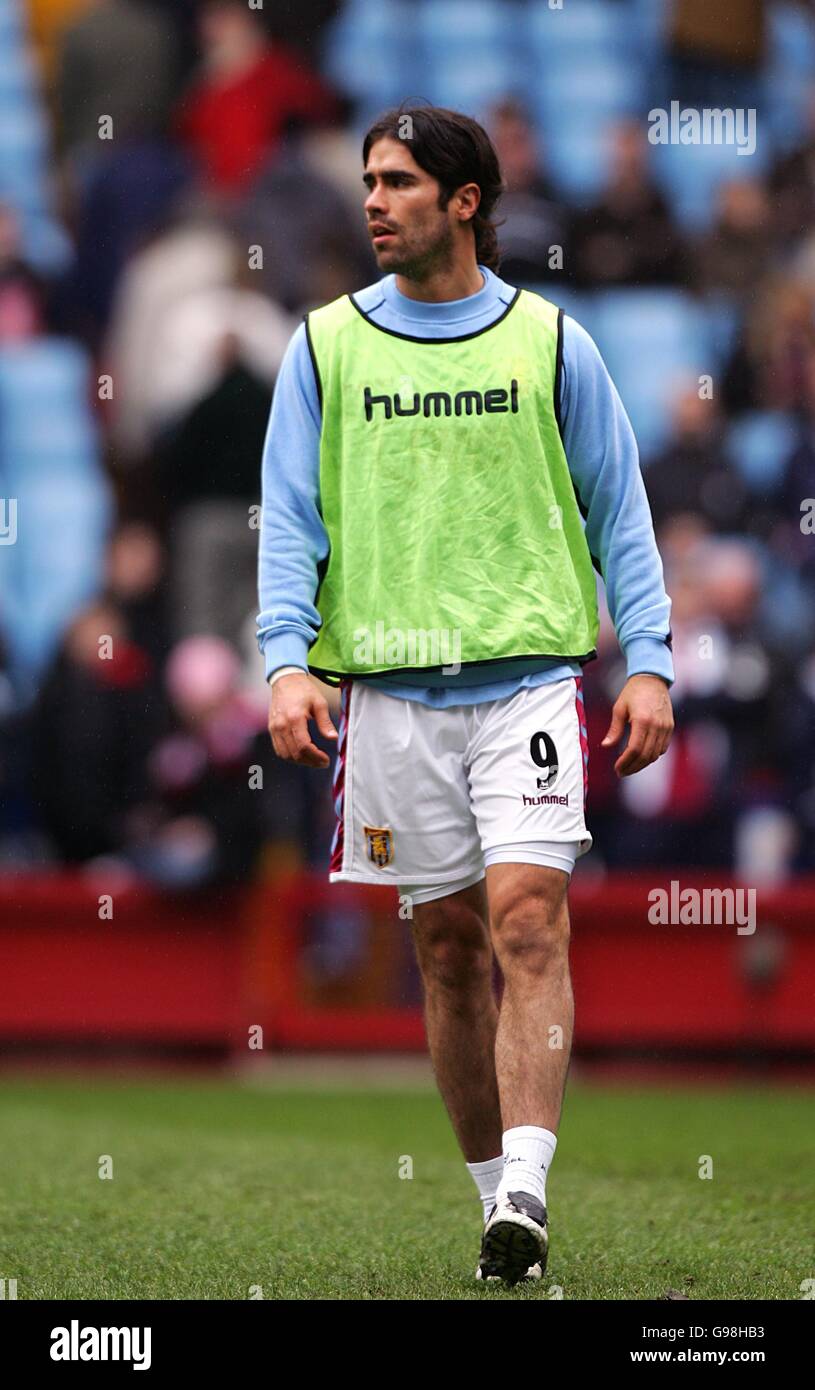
[(338, 842), (580, 706)]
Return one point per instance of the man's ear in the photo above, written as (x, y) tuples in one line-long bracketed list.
[(469, 198)]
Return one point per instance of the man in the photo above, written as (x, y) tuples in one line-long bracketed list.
[(432, 443)]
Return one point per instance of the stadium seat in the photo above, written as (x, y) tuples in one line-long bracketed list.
[(580, 28), (578, 161), (724, 320), (24, 149), (601, 89), (652, 341), (759, 444), (790, 74), (690, 176), (370, 50), (468, 24), (792, 39), (470, 52), (49, 463), (788, 98), (468, 86), (648, 25)]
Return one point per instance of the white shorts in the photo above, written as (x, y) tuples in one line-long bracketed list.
[(427, 798)]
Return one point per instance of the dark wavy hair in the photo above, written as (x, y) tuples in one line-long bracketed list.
[(454, 149)]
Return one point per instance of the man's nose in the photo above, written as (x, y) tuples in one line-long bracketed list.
[(375, 201)]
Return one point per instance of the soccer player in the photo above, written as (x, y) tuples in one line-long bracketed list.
[(447, 462)]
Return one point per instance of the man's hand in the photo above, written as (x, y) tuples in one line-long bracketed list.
[(295, 700), (645, 704)]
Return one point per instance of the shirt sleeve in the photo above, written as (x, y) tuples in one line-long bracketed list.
[(604, 464), (293, 539)]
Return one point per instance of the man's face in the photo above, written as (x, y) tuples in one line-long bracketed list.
[(410, 233)]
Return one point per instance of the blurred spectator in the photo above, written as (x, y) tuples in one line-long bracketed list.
[(16, 831), (716, 51), (207, 348), (791, 186), (628, 238), (211, 451), (247, 89), (722, 763), (92, 729), (795, 739), (300, 23), (315, 246), (183, 807), (47, 19), (21, 290), (135, 581), (692, 475), (117, 60), (334, 154), (126, 197), (734, 256), (793, 538), (204, 823), (198, 338), (207, 475), (182, 17), (218, 793), (768, 368), (534, 224), (179, 301)]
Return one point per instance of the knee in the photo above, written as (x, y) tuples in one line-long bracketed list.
[(530, 931), (452, 948)]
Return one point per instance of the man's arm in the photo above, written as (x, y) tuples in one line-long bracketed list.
[(293, 543), (604, 464)]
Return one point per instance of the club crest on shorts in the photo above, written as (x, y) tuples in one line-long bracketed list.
[(380, 845)]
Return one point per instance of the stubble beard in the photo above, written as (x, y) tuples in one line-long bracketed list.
[(419, 263)]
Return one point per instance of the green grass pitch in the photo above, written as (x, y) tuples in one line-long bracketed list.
[(223, 1190)]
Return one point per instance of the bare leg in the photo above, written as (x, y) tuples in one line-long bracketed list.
[(530, 932), (455, 958)]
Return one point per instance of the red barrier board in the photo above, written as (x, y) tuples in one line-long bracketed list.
[(205, 969)]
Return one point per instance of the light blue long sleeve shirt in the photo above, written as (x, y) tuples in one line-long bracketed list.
[(603, 461)]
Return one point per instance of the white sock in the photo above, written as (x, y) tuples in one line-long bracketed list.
[(486, 1177), (528, 1153)]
